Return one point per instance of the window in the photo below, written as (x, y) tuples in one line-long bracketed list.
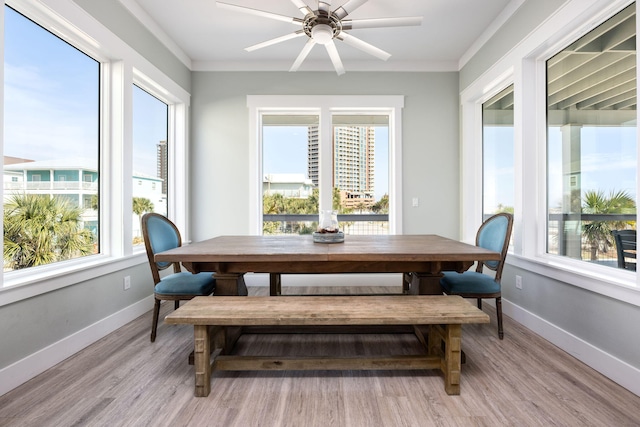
[(591, 141), (334, 158), (150, 131), (290, 193), (79, 124), (497, 154), (291, 164), (51, 123)]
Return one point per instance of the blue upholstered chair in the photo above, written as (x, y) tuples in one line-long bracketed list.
[(493, 234), (160, 234)]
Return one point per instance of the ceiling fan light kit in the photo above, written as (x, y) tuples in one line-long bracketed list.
[(323, 26)]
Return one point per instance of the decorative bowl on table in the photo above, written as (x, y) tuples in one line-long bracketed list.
[(328, 229), (328, 237)]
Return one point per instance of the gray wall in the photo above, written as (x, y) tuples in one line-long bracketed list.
[(606, 323), (32, 324), (220, 142)]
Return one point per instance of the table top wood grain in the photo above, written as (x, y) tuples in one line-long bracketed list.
[(377, 248)]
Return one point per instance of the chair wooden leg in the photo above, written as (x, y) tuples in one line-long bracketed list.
[(499, 315), (176, 304), (154, 324), (480, 303)]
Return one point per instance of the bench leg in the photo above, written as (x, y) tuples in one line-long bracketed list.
[(445, 341), (202, 357), (452, 358)]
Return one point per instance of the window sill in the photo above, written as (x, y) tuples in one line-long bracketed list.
[(613, 283), (27, 284)]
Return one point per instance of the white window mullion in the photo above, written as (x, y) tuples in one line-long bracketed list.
[(325, 149)]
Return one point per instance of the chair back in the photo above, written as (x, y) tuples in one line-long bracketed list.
[(160, 234), (494, 234), (625, 247)]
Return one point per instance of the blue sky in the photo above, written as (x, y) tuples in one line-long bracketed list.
[(47, 109), (149, 128), (51, 113)]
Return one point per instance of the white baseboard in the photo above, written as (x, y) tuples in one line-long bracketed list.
[(610, 366), (25, 369)]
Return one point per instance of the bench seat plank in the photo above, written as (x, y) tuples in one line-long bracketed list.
[(327, 310)]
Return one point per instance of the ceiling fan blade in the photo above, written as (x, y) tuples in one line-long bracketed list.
[(348, 7), (274, 41), (257, 12), (303, 54), (324, 5), (304, 9), (335, 57), (364, 46), (356, 24)]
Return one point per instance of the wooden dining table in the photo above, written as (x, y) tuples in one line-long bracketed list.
[(421, 258)]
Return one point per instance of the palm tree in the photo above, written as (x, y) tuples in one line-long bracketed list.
[(40, 230), (598, 233), (141, 205)]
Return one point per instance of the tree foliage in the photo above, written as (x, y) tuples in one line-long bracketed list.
[(39, 229), (598, 233)]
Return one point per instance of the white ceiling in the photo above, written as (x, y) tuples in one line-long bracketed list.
[(206, 37)]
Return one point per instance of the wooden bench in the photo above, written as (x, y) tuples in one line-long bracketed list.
[(214, 317)]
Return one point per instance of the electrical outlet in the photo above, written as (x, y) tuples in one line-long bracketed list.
[(415, 202), (519, 282), (127, 283)]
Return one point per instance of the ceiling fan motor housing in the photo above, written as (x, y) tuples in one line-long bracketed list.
[(321, 26)]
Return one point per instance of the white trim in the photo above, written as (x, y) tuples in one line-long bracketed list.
[(611, 282), (314, 66), (493, 28), (36, 363), (156, 30), (608, 365), (325, 104)]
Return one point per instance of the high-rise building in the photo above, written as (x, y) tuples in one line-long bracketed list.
[(353, 163)]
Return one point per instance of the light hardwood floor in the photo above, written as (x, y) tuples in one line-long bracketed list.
[(125, 380)]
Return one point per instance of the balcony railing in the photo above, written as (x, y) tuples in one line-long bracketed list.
[(566, 236), (351, 224), (50, 185)]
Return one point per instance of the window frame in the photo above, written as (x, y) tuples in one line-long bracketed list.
[(120, 68), (525, 67), (325, 106)]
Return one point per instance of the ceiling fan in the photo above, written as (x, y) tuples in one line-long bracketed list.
[(323, 26)]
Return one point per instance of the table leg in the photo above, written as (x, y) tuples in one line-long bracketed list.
[(202, 357), (275, 284), (230, 284), (423, 284)]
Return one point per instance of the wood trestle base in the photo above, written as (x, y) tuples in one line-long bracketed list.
[(445, 354)]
